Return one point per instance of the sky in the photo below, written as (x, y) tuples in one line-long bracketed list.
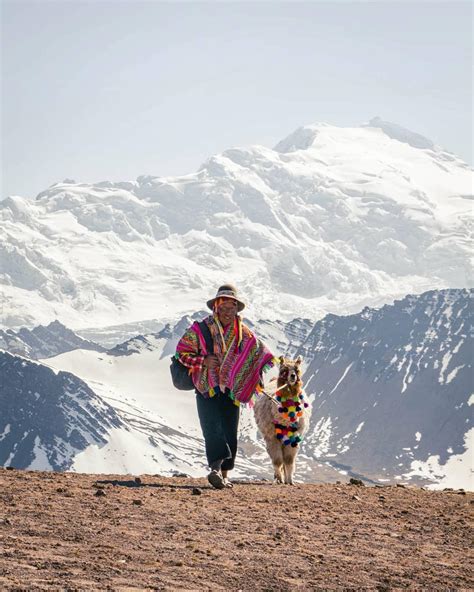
[(110, 90)]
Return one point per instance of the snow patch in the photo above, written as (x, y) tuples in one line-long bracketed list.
[(342, 377), (457, 472)]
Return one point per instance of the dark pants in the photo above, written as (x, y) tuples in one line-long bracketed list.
[(219, 419)]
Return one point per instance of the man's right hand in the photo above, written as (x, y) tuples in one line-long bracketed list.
[(211, 362)]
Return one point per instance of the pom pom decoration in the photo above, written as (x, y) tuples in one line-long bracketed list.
[(286, 427)]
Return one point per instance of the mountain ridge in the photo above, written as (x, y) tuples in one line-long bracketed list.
[(390, 389), (355, 218)]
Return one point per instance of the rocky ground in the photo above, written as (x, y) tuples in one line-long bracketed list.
[(61, 531)]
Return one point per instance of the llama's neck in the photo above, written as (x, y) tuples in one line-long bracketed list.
[(290, 391)]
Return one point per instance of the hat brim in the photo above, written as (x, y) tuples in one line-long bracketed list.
[(240, 305)]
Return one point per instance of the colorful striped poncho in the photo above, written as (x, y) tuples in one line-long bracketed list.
[(242, 359)]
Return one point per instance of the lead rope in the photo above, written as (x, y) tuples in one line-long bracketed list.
[(273, 398)]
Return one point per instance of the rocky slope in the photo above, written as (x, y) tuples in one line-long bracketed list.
[(393, 387), (47, 417), (91, 532)]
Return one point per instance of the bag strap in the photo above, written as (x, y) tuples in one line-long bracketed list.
[(206, 333)]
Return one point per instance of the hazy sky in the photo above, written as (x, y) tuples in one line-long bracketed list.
[(113, 90)]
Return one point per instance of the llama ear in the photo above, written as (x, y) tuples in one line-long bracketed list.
[(281, 360), (299, 359)]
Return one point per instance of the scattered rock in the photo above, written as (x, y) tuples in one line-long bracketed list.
[(382, 498), (401, 485), (196, 491), (137, 502), (100, 493), (461, 492), (178, 474), (356, 497), (357, 482), (98, 486), (10, 468), (138, 481)]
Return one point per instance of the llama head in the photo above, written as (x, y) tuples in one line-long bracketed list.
[(290, 371)]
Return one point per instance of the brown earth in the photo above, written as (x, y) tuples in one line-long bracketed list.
[(56, 533)]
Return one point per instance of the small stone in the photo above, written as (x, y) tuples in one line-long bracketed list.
[(196, 491), (137, 502), (382, 498), (356, 497), (138, 481), (357, 482), (401, 485), (100, 493), (461, 492), (10, 468), (178, 474)]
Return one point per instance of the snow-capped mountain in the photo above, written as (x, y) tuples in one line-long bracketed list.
[(48, 417), (393, 389), (133, 421), (53, 420), (330, 220), (44, 342)]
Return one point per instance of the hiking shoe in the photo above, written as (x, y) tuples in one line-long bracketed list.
[(216, 480)]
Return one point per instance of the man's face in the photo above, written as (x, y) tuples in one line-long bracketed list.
[(227, 311)]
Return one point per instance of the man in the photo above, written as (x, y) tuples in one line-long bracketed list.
[(224, 378)]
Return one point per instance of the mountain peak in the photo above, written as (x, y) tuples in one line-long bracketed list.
[(331, 220), (300, 139), (397, 132)]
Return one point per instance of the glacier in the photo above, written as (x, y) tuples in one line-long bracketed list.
[(330, 220)]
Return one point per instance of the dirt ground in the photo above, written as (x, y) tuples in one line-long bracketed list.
[(61, 531)]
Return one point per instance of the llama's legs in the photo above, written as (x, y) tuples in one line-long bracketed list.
[(276, 454), (289, 463)]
